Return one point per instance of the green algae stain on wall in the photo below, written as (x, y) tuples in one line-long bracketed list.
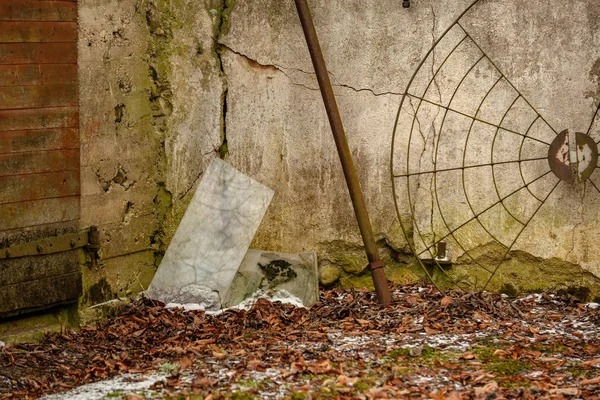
[(521, 272)]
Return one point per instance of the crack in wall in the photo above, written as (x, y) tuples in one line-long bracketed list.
[(159, 19), (420, 160), (423, 137), (285, 72), (433, 39), (221, 13), (195, 182), (579, 223), (434, 147)]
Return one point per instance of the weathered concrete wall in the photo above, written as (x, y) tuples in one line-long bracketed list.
[(167, 85), (286, 142), (151, 101), (528, 68), (277, 129)]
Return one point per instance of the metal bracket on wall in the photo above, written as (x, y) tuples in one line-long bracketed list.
[(87, 238)]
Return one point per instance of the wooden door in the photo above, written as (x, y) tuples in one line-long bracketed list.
[(39, 150)]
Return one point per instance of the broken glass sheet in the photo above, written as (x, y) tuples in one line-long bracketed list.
[(212, 238), (271, 272)]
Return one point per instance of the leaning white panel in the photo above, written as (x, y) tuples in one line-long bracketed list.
[(212, 238)]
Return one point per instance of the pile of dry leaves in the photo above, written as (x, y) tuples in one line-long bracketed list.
[(427, 345)]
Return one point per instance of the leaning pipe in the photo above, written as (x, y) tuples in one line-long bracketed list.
[(358, 202)]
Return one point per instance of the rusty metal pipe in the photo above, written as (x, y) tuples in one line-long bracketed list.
[(358, 202)]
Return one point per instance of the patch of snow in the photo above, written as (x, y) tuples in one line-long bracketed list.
[(124, 384), (534, 296), (455, 342), (120, 299), (592, 305), (269, 384), (282, 296), (421, 379), (442, 341), (354, 340), (2, 344), (410, 345), (580, 324), (186, 307)]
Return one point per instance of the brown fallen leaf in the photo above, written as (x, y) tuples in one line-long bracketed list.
[(296, 367), (489, 388), (431, 331), (468, 356), (185, 362), (202, 382), (446, 300), (592, 381), (344, 380), (376, 393), (572, 391), (204, 342), (321, 367), (483, 376), (551, 360), (177, 350)]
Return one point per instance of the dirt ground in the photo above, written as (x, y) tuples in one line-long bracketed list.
[(456, 345)]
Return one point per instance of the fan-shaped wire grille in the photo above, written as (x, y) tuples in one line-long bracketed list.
[(473, 112)]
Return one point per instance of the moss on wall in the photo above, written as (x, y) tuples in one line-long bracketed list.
[(523, 272)]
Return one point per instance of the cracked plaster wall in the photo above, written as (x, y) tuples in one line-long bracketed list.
[(150, 105), (278, 131), (168, 85), (549, 54)]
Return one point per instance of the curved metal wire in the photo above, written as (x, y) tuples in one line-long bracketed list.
[(413, 127), (521, 153), (519, 235), (593, 184), (414, 229), (435, 186), (464, 183), (509, 82), (476, 217), (593, 120), (493, 165)]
